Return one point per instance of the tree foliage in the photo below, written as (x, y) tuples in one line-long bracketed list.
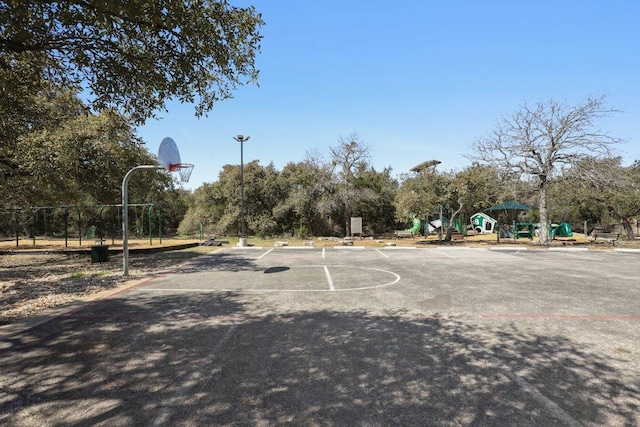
[(66, 155), (301, 199), (304, 186), (543, 139), (350, 160), (421, 195), (597, 189), (132, 55), (379, 210)]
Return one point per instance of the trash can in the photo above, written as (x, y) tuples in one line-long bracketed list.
[(99, 253)]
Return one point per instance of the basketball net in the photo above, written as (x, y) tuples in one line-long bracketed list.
[(183, 169)]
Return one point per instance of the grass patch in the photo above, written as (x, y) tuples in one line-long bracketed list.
[(78, 274)]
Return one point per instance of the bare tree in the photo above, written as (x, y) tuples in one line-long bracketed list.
[(350, 158), (543, 139)]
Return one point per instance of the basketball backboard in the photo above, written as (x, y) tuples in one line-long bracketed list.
[(168, 154)]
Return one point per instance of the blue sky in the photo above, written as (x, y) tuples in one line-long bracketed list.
[(416, 80)]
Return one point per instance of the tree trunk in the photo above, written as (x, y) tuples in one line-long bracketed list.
[(544, 230), (625, 223), (451, 221), (627, 228)]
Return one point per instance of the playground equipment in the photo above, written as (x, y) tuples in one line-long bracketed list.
[(410, 232), (416, 227), (441, 225), (483, 223), (560, 230), (63, 223), (432, 226)]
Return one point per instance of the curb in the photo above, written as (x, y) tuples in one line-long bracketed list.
[(627, 250), (87, 250), (568, 249)]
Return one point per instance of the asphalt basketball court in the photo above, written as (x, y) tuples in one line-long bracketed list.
[(344, 336)]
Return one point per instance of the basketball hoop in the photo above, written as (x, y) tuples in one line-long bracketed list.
[(183, 169), (169, 159)]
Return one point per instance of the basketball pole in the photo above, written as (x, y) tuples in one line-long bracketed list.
[(125, 215)]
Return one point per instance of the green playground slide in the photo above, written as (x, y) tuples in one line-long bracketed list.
[(417, 226)]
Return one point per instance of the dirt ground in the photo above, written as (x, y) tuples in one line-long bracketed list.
[(31, 282)]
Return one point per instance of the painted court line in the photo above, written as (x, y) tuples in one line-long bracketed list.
[(326, 272), (395, 248), (382, 253), (543, 400), (331, 287), (509, 248), (568, 249), (264, 254)]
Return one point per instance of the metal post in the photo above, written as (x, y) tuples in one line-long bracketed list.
[(66, 227), (100, 228), (150, 225), (441, 225), (17, 229), (243, 237), (125, 216), (113, 234), (33, 228), (79, 226)]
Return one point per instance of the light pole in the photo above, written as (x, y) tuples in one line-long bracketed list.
[(243, 238)]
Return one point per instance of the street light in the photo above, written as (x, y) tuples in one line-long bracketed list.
[(243, 238)]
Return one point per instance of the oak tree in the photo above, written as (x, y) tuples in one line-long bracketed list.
[(542, 140), (131, 55)]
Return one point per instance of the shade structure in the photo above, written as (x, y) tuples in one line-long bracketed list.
[(510, 206)]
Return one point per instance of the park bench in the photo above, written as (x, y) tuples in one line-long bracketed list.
[(605, 237), (404, 233), (457, 236)]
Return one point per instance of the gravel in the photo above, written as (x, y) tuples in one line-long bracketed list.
[(31, 283)]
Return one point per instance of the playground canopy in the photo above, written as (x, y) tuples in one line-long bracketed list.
[(510, 206)]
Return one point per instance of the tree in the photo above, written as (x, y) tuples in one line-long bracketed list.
[(68, 155), (421, 195), (303, 186), (471, 190), (206, 208), (262, 195), (603, 187), (350, 159), (379, 213), (131, 55), (542, 140)]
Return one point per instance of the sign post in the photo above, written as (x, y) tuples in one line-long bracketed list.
[(356, 226)]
